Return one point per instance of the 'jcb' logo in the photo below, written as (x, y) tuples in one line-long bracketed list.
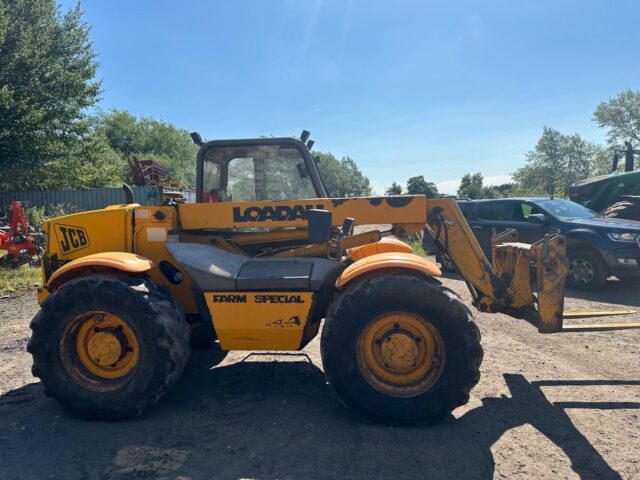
[(71, 238)]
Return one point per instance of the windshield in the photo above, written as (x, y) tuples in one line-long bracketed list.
[(565, 209), (261, 172)]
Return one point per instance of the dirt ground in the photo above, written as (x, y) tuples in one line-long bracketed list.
[(563, 406)]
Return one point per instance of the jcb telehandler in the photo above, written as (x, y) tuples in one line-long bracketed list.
[(257, 264)]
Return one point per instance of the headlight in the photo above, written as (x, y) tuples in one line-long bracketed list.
[(623, 237)]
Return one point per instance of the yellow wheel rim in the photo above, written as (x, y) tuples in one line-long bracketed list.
[(401, 354), (98, 346)]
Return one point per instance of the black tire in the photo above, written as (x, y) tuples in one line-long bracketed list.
[(587, 270), (446, 265), (392, 291), (625, 209), (149, 310)]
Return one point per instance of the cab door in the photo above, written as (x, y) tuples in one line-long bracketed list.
[(530, 228), (489, 215)]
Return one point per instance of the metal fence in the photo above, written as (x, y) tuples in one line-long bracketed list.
[(79, 200)]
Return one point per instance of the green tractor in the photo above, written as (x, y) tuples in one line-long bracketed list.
[(616, 194)]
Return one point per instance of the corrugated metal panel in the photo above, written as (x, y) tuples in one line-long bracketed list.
[(80, 200)]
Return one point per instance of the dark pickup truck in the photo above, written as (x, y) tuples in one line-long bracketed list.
[(597, 247)]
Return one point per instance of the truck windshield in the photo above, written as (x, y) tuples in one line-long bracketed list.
[(254, 173), (565, 209)]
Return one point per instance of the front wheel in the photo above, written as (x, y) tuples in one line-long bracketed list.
[(401, 347), (587, 270), (109, 346)]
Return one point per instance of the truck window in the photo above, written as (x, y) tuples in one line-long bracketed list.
[(466, 208), (521, 211), (498, 211)]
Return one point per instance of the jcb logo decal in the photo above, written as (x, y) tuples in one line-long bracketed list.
[(282, 213), (71, 238)]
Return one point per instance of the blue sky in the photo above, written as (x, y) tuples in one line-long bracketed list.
[(406, 88)]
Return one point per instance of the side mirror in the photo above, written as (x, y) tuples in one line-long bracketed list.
[(537, 218), (320, 223)]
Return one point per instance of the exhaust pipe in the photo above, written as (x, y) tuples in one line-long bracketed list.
[(628, 157)]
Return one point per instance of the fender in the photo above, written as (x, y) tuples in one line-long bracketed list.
[(383, 246), (100, 262), (379, 261)]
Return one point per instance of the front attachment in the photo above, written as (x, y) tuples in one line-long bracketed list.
[(512, 263)]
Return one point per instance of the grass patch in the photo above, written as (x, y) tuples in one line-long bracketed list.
[(417, 248), (15, 279)]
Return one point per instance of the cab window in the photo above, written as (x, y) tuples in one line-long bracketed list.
[(500, 211), (521, 211), (250, 173)]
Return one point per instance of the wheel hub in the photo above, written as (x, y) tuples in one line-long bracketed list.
[(99, 344), (581, 270), (400, 354), (399, 351), (104, 348)]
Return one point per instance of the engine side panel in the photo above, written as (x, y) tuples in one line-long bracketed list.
[(260, 320)]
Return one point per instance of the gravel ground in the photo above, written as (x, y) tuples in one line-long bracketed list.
[(559, 406)]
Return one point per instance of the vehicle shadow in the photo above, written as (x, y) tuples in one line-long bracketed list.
[(272, 420), (614, 291)]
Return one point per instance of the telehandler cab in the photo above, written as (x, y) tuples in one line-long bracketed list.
[(257, 264)]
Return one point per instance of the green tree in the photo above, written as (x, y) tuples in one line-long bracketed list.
[(621, 116), (419, 186), (603, 161), (47, 70), (153, 139), (394, 189), (342, 178), (555, 163), (471, 186)]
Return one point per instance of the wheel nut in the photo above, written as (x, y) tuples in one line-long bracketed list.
[(436, 361), (418, 339), (377, 341)]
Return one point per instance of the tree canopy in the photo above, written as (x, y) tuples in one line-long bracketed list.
[(342, 177), (394, 189), (471, 186), (153, 139), (47, 82), (556, 162), (621, 116), (419, 186)]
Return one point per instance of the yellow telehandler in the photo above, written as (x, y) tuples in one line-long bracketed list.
[(257, 264)]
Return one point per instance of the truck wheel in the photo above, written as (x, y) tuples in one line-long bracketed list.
[(587, 271), (401, 347), (109, 346)]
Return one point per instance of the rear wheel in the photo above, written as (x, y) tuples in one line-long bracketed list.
[(587, 270), (108, 346), (401, 347)]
